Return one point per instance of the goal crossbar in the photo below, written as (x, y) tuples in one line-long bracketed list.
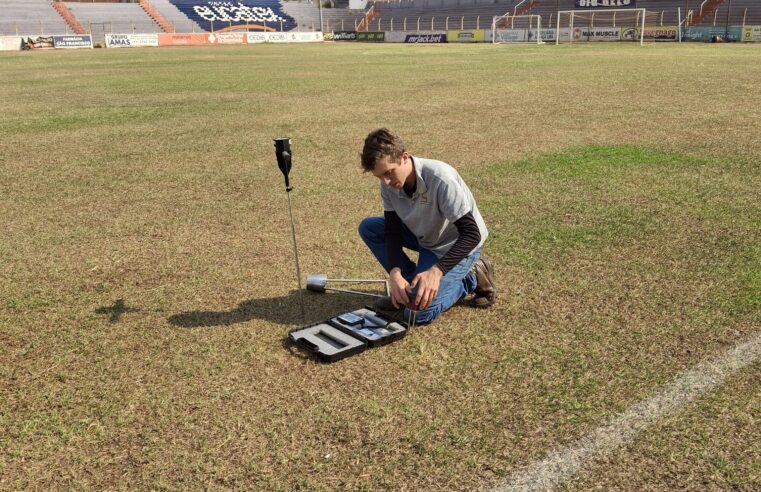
[(641, 14)]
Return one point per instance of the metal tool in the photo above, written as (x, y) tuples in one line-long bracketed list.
[(412, 307), (283, 154), (318, 282), (412, 319)]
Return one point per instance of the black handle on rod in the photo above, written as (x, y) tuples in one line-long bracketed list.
[(283, 153)]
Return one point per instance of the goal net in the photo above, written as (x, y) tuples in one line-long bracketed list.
[(516, 29), (604, 25)]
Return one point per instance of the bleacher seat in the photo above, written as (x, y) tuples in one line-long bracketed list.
[(30, 18), (123, 18)]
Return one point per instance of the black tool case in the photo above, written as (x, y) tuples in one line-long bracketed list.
[(347, 334), (374, 329), (326, 342)]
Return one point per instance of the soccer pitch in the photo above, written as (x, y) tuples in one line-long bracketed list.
[(147, 277)]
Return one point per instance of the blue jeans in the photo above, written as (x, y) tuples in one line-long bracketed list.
[(456, 284)]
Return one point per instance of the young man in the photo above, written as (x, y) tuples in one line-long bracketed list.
[(426, 208)]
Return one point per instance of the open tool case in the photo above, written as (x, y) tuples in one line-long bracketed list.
[(347, 334)]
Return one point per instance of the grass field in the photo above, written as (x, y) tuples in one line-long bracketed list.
[(147, 279)]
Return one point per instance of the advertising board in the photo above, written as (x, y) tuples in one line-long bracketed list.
[(705, 34), (38, 43), (548, 34), (301, 37), (175, 39), (72, 42), (227, 38), (417, 38), (511, 36), (597, 34), (10, 43), (655, 33), (341, 36), (256, 37), (752, 34), (467, 36), (372, 37), (284, 37), (131, 40)]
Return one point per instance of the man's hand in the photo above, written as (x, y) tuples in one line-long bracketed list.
[(427, 284), (399, 288)]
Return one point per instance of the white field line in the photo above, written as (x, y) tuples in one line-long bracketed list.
[(563, 464)]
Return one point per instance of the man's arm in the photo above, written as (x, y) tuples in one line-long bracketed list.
[(427, 282), (393, 235), (468, 237)]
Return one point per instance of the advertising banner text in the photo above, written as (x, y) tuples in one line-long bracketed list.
[(511, 36), (175, 39), (284, 37), (341, 36), (468, 36), (227, 38), (372, 37), (705, 34), (72, 42), (602, 4), (597, 34), (426, 38), (752, 34), (131, 40)]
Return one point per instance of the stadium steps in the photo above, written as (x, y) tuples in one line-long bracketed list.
[(174, 16), (156, 16), (707, 10), (368, 18), (521, 11), (526, 7), (69, 17)]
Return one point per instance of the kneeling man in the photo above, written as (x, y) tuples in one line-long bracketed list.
[(429, 209)]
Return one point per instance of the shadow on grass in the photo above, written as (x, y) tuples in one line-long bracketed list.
[(282, 310), (116, 310)]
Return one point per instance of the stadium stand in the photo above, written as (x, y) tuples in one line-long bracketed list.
[(101, 18), (179, 21), (35, 17), (30, 18), (69, 17), (439, 14), (307, 16), (243, 15), (156, 15), (477, 13)]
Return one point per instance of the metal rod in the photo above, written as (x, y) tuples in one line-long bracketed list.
[(296, 254), (355, 280), (358, 292)]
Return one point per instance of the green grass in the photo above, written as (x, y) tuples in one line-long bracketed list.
[(147, 282)]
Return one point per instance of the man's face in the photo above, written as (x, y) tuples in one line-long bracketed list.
[(393, 174)]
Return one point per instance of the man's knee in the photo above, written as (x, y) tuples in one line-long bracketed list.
[(427, 315), (371, 228)]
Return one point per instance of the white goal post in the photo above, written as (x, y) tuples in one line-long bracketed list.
[(608, 17), (516, 29)]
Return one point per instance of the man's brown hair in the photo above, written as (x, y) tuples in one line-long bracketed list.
[(379, 144)]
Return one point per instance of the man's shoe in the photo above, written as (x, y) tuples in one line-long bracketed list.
[(486, 290)]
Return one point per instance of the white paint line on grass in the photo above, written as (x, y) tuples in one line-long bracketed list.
[(563, 464)]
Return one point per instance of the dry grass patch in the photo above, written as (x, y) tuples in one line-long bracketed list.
[(148, 280)]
